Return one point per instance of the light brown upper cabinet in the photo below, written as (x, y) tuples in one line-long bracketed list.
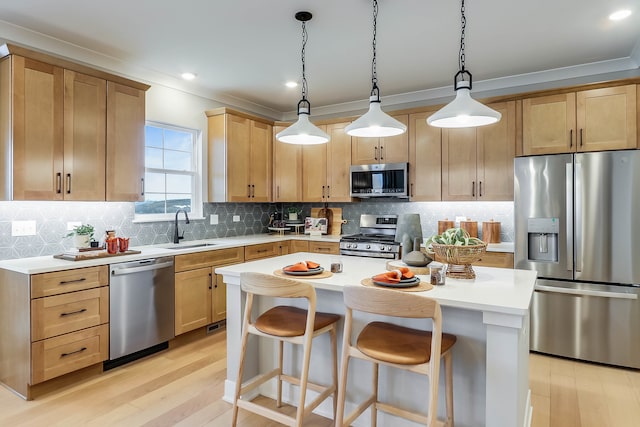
[(55, 139), (425, 158), (477, 163), (240, 157), (589, 120), (325, 167), (125, 143), (287, 169), (393, 149)]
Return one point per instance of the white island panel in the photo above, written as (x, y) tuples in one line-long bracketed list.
[(489, 315)]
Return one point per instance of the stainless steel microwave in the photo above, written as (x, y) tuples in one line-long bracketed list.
[(379, 180)]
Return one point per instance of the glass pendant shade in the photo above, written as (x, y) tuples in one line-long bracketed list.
[(303, 132), (463, 111), (375, 123)]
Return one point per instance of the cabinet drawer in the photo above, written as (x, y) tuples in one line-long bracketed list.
[(264, 250), (324, 248), (60, 355), (59, 282), (70, 312), (209, 258), (496, 259)]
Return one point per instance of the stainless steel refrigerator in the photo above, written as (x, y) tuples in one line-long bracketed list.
[(577, 222)]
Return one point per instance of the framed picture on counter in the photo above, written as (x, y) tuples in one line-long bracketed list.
[(315, 225)]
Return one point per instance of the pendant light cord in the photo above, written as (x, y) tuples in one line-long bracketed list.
[(374, 72), (304, 45), (463, 20)]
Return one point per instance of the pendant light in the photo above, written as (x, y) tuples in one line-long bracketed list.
[(303, 131), (463, 111), (375, 123)]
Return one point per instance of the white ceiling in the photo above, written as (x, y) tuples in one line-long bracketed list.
[(244, 51)]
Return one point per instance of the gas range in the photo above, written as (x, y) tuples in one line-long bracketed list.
[(376, 238)]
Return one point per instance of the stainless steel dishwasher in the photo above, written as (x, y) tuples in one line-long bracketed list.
[(141, 308)]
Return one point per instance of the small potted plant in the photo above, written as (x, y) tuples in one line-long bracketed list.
[(293, 213), (82, 235)]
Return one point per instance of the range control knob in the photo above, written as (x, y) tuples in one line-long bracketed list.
[(368, 246), (382, 247)]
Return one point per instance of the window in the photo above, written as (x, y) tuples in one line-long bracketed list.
[(172, 176)]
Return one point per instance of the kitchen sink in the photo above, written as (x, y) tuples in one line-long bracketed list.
[(195, 245)]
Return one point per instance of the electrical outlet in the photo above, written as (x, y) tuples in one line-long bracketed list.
[(236, 218), (213, 219), (23, 228)]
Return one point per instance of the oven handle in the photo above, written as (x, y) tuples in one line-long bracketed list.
[(585, 292)]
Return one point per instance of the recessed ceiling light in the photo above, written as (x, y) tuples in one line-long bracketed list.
[(291, 84), (188, 76), (620, 14)]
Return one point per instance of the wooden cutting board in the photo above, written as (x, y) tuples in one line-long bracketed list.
[(336, 223)]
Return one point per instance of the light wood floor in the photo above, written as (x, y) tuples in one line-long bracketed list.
[(183, 386)]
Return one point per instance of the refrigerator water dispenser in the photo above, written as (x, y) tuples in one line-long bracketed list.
[(542, 234)]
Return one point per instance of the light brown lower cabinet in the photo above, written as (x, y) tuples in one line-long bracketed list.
[(298, 246), (325, 247), (200, 294), (69, 352), (266, 250), (496, 259)]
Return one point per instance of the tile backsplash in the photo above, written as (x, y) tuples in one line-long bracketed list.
[(52, 217)]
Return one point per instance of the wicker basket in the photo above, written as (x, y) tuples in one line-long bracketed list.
[(459, 258)]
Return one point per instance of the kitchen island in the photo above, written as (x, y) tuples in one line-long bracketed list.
[(489, 315)]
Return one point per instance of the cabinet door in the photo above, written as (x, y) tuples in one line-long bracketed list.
[(38, 99), (85, 107), (260, 162), (459, 164), (425, 179), (606, 118), (125, 143), (218, 299), (365, 151), (548, 124), (238, 137), (338, 164), (395, 149), (314, 168), (298, 246), (287, 170), (193, 299), (496, 150)]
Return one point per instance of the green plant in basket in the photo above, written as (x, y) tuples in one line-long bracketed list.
[(455, 237), (458, 249)]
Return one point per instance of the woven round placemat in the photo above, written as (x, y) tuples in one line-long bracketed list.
[(423, 286), (322, 275)]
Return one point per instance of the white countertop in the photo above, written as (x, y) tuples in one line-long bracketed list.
[(499, 290), (45, 264)]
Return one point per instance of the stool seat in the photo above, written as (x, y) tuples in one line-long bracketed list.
[(286, 321), (398, 344)]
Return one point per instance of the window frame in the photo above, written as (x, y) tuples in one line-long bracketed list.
[(196, 173)]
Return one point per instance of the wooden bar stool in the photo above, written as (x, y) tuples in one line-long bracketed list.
[(396, 346), (285, 324)]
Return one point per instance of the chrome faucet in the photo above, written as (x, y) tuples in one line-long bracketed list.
[(176, 236)]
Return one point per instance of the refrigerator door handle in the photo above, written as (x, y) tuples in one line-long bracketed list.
[(578, 217), (569, 214), (585, 292)]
